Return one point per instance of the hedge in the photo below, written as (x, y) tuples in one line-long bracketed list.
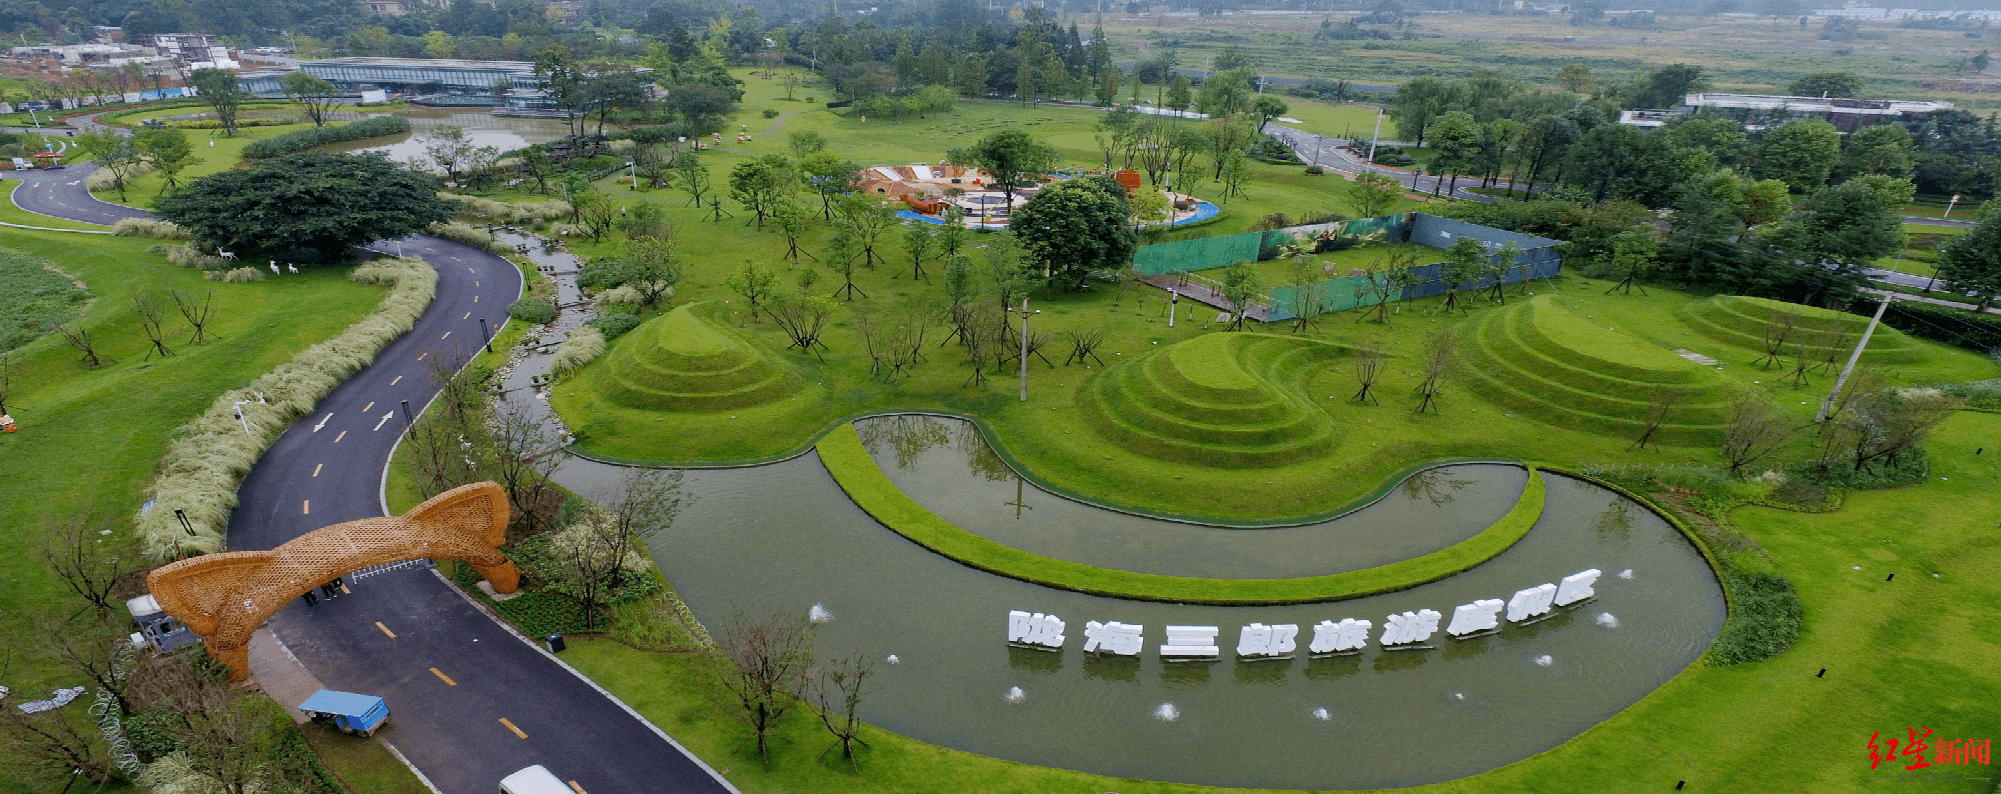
[(301, 140), (841, 451), (1980, 333), (200, 473)]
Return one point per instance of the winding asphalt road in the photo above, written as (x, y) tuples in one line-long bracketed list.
[(470, 700)]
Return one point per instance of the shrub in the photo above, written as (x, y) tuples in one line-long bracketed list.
[(301, 140), (236, 275), (614, 326), (1315, 170), (1272, 150), (1767, 619), (461, 233), (533, 311), (150, 227), (104, 179), (770, 114), (525, 212), (582, 347), (200, 473), (187, 255)]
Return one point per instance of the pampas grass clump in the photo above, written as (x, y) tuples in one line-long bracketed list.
[(529, 212), (628, 295), (150, 227), (462, 233), (584, 345), (235, 275), (200, 473), (103, 179), (187, 255)]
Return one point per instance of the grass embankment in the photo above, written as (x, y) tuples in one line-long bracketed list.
[(89, 439), (363, 766), (10, 213), (849, 462), (1915, 651)]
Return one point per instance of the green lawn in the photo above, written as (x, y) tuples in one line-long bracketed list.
[(89, 439), (213, 152), (363, 766), (13, 214), (1915, 651), (1336, 264)]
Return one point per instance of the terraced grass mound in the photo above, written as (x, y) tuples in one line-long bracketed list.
[(1739, 321), (1541, 360), (681, 361), (1220, 399)]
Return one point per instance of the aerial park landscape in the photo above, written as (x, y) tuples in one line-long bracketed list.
[(1005, 408)]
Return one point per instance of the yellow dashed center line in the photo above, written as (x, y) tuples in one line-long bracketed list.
[(420, 357), (344, 590), (442, 677), (475, 283), (447, 335), (385, 629), (316, 469), (393, 382), (510, 726), (343, 434), (576, 788), (371, 404), (467, 317), (308, 507), (475, 299)]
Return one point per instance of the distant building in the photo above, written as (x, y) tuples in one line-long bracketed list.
[(193, 50), (427, 81), (1759, 112)]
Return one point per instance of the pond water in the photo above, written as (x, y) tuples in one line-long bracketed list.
[(785, 538), (946, 465), (482, 129)]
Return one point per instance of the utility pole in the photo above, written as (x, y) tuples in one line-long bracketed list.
[(1024, 348), (1852, 358)]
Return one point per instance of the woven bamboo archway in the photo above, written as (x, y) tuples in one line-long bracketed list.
[(225, 597)]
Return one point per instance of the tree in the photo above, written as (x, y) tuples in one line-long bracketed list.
[(759, 665), (830, 175), (79, 556), (918, 241), (1440, 357), (1419, 101), (1178, 94), (692, 176), (1013, 159), (1370, 356), (314, 94), (761, 183), (516, 451), (114, 154), (1801, 153), (1667, 86), (752, 282), (1836, 85), (448, 148), (1766, 201), (1755, 429), (864, 219), (836, 688), (1853, 223), (652, 265), (1633, 256), (1241, 286), (1465, 263), (1456, 137), (167, 150), (1373, 194), (792, 222), (595, 553), (1074, 227), (328, 203), (1235, 170), (217, 87), (1971, 262), (1575, 78), (1226, 93), (1267, 109), (1883, 149)]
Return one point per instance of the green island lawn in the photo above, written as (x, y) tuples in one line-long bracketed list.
[(89, 439), (1920, 254), (363, 766), (225, 155), (10, 213), (1915, 651), (1335, 264)]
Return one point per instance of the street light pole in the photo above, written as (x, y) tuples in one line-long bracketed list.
[(634, 165), (1852, 358), (1377, 138), (1024, 348)]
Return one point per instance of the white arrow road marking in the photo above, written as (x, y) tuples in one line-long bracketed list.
[(385, 418), (323, 422)]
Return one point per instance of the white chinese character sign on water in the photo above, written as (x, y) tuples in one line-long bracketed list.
[(1350, 635), (1260, 640), (1186, 642), (1404, 630), (1475, 617), (1531, 602), (1410, 627), (1034, 629), (1576, 587), (1119, 639)]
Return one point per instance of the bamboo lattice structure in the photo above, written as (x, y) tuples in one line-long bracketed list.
[(224, 597)]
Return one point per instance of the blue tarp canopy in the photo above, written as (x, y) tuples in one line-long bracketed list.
[(346, 704)]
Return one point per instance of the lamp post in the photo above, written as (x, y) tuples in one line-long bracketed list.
[(1948, 206), (486, 334), (1024, 346), (634, 165)]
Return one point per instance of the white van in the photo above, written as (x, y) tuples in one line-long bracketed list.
[(536, 779)]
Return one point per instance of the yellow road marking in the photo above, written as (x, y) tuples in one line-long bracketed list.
[(385, 629), (576, 788), (420, 357), (475, 283), (316, 469), (344, 590), (343, 434), (467, 317), (308, 507), (447, 335), (510, 726), (442, 677), (470, 270), (475, 299), (393, 382), (371, 404)]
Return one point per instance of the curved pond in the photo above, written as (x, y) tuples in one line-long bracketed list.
[(784, 537), (945, 464)]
